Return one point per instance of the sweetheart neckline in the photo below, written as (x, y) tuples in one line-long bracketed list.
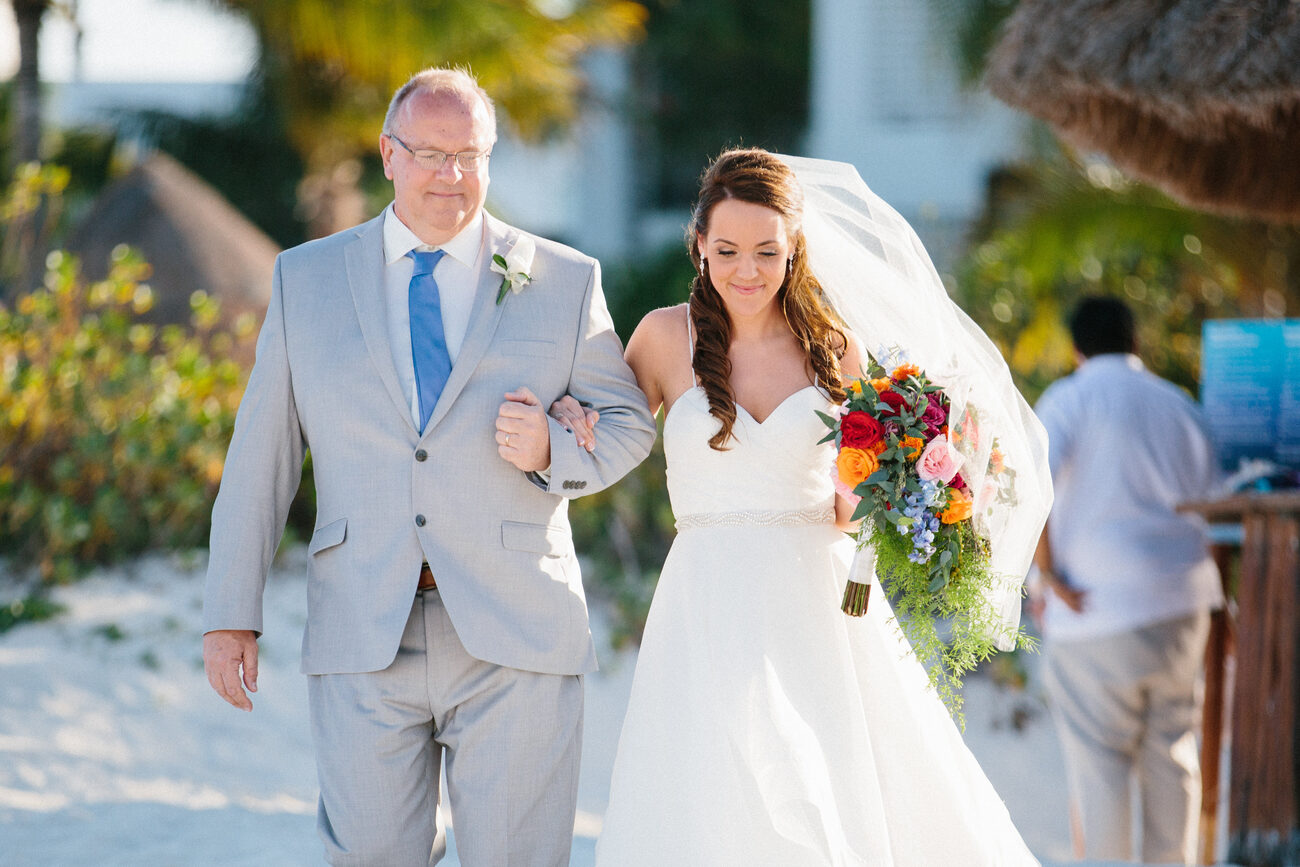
[(740, 408)]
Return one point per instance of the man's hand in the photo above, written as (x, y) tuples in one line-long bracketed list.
[(1035, 605), (224, 651), (577, 420), (522, 435), (1072, 596)]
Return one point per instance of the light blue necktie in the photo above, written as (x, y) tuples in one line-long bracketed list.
[(428, 343)]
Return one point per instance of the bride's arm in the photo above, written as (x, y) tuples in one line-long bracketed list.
[(646, 353), (851, 368)]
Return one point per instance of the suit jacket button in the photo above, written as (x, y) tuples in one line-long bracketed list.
[(581, 485), (421, 455), (419, 520)]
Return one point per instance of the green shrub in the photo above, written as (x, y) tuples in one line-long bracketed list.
[(32, 609), (112, 431)]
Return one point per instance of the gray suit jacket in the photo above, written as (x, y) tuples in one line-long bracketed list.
[(388, 497)]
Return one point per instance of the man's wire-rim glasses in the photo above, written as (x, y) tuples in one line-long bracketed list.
[(466, 161)]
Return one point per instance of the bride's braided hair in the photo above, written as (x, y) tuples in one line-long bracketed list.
[(756, 176)]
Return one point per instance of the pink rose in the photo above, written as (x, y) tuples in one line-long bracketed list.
[(940, 460), (970, 432)]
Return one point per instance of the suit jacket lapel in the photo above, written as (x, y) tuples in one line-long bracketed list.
[(365, 264), (483, 318)]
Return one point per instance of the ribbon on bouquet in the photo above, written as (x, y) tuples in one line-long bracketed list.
[(862, 572)]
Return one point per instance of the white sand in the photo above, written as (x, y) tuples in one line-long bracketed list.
[(114, 749)]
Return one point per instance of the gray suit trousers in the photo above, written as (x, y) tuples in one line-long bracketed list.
[(381, 736)]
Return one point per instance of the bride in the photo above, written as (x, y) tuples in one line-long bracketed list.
[(765, 727)]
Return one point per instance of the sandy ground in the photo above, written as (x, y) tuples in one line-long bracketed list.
[(115, 751)]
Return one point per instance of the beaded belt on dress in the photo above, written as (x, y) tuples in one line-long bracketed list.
[(823, 514)]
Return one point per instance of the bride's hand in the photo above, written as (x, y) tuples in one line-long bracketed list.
[(577, 419)]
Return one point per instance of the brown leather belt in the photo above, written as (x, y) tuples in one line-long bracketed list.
[(426, 579)]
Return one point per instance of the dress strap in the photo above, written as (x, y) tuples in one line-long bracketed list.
[(690, 344)]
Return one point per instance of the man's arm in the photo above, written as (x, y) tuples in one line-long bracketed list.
[(1072, 596), (262, 471), (602, 381)]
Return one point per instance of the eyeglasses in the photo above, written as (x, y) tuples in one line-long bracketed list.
[(466, 161)]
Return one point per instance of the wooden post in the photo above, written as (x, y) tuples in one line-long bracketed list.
[(1217, 647), (1263, 822)]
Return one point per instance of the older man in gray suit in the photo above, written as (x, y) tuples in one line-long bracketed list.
[(414, 355)]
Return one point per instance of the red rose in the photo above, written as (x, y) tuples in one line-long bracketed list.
[(896, 401), (858, 430)]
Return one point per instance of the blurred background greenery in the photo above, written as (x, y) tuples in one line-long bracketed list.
[(112, 428)]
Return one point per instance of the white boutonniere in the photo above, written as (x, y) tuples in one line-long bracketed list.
[(514, 266)]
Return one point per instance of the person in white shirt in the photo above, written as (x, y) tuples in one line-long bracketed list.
[(1132, 585)]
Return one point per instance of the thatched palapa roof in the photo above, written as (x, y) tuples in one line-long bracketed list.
[(191, 236), (1198, 97)]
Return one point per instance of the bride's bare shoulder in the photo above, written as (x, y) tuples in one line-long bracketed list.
[(659, 353), (662, 333), (852, 359), (665, 323)]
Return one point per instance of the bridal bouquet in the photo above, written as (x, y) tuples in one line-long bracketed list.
[(909, 466)]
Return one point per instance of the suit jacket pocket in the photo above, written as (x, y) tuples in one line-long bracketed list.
[(538, 538), (533, 348), (328, 536)]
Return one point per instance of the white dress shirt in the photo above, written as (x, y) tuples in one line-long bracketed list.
[(1125, 449), (457, 276)]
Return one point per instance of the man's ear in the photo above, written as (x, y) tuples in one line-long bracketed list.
[(386, 154)]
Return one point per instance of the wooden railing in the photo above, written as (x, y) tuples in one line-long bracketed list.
[(1262, 630)]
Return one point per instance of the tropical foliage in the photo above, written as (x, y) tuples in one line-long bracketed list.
[(332, 66), (1060, 229), (112, 431)]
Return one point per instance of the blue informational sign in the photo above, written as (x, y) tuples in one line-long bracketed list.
[(1288, 418), (1250, 389)]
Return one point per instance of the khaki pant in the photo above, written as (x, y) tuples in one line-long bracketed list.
[(1128, 709)]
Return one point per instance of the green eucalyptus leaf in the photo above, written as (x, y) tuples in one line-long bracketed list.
[(861, 510)]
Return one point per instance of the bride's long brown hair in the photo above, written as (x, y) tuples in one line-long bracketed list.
[(753, 175)]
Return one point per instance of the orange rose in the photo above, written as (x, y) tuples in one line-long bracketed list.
[(856, 386), (881, 384), (877, 447), (996, 462), (903, 371), (854, 465), (914, 445), (959, 507)]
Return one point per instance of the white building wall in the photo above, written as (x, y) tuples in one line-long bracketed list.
[(887, 98), (579, 189)]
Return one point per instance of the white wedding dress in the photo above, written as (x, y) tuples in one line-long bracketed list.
[(766, 727)]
